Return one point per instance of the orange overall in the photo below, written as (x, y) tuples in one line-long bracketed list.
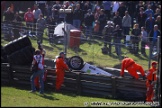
[(151, 76), (61, 66), (131, 67)]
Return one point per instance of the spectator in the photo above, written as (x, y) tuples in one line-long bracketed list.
[(149, 23), (117, 20), (55, 11), (69, 16), (96, 27), (17, 17), (17, 25), (141, 17), (122, 10), (77, 16), (51, 24), (115, 7), (139, 5), (36, 13), (96, 7), (157, 13), (9, 15), (87, 5), (149, 11), (144, 40), (153, 35), (41, 24), (132, 67), (131, 7), (126, 24), (41, 5), (88, 20), (107, 32), (117, 40), (3, 8), (107, 9), (62, 14), (8, 18), (97, 14), (150, 82), (158, 22), (61, 66), (102, 21), (29, 19), (40, 72), (49, 5), (136, 32)]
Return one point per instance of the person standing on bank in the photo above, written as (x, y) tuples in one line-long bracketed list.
[(61, 66), (136, 32), (38, 58), (144, 40), (41, 25), (117, 40)]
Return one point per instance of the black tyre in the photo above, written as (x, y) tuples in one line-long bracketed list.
[(22, 57), (17, 45), (75, 63), (28, 53)]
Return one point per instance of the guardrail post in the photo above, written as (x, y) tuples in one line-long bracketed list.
[(78, 79), (113, 87)]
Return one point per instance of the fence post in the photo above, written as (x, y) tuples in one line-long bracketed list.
[(113, 87), (157, 87), (78, 79)]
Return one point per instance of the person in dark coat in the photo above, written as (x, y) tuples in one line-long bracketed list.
[(88, 20), (136, 32), (117, 40), (141, 17)]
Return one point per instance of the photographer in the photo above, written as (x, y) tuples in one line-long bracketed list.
[(43, 52), (37, 58)]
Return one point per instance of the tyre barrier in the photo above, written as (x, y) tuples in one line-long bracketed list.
[(17, 44), (49, 62), (22, 57)]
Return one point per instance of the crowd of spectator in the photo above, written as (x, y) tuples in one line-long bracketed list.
[(91, 15)]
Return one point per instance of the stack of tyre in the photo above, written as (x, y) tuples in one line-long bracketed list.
[(18, 52)]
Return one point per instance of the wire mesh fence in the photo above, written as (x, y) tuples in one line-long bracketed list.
[(93, 48)]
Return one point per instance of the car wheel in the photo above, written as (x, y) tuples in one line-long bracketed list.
[(76, 62)]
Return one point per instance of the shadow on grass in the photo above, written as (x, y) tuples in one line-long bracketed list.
[(47, 97), (47, 47)]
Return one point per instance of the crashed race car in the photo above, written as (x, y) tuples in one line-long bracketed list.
[(76, 63)]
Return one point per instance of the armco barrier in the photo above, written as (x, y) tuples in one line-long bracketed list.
[(5, 74), (80, 83)]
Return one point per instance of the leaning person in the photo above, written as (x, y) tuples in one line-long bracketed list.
[(131, 66)]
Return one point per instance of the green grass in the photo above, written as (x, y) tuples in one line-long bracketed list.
[(15, 97)]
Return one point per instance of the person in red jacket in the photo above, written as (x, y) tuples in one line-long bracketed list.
[(29, 18), (151, 78), (61, 66), (131, 66)]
